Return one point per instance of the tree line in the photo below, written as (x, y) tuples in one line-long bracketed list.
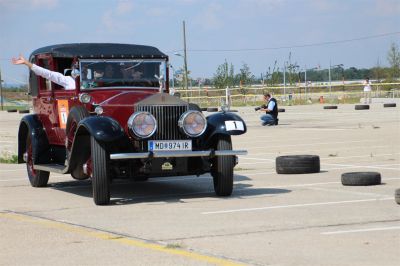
[(225, 75)]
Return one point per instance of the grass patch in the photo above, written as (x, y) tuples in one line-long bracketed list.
[(17, 107), (173, 246), (9, 159), (241, 169)]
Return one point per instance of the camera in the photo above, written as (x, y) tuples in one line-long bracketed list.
[(259, 107)]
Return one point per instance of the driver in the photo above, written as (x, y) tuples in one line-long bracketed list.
[(67, 82)]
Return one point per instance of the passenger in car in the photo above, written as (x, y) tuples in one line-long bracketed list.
[(67, 82)]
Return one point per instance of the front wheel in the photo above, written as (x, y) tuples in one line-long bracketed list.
[(37, 178), (222, 168), (100, 173)]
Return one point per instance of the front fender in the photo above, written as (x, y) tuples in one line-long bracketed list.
[(30, 124), (103, 129), (224, 123)]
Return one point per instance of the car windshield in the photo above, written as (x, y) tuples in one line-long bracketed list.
[(121, 73)]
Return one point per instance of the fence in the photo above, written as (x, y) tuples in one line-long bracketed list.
[(252, 95)]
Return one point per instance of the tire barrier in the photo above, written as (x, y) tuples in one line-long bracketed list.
[(331, 107), (362, 107), (281, 110), (297, 164), (397, 195), (389, 105), (212, 109), (361, 179)]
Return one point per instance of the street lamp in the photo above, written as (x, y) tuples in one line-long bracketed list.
[(185, 74), (173, 79), (330, 82), (1, 92)]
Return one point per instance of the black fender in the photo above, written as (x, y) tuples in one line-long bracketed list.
[(41, 152), (223, 123), (102, 128)]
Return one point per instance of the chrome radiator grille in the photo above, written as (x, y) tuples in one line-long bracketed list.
[(167, 120)]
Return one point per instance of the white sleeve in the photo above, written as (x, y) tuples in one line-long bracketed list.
[(271, 105), (66, 81)]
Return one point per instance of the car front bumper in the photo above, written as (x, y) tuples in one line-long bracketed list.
[(174, 154)]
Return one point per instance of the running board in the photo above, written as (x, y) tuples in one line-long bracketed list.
[(56, 168)]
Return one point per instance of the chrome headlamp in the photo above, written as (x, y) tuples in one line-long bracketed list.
[(192, 123), (84, 98), (142, 124)]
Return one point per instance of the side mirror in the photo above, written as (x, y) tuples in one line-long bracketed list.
[(75, 73)]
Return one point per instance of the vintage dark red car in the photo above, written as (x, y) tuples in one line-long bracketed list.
[(120, 121)]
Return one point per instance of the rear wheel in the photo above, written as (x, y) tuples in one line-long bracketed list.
[(100, 174), (222, 168), (37, 178)]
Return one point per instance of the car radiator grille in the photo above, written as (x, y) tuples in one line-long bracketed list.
[(167, 122)]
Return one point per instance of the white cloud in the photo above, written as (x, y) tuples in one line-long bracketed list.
[(34, 4), (387, 7), (211, 17), (55, 27), (124, 7)]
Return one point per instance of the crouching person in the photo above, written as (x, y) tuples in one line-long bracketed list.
[(271, 111)]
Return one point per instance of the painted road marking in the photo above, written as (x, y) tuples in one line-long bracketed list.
[(363, 166), (361, 230), (121, 239), (296, 205)]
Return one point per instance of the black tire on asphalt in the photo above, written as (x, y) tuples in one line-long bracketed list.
[(12, 110), (281, 110), (204, 109), (37, 178), (212, 109), (361, 178), (233, 111), (100, 173), (397, 195), (389, 105), (362, 107), (23, 111), (297, 164), (331, 107), (222, 168)]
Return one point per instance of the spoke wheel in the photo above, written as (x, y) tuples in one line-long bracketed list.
[(37, 178), (222, 168), (100, 174)]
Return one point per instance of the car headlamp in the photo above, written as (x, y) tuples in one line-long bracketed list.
[(142, 124), (84, 98), (192, 123)]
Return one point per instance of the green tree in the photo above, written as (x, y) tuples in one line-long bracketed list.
[(393, 57), (245, 77), (224, 76)]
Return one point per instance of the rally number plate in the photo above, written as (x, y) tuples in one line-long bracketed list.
[(170, 145)]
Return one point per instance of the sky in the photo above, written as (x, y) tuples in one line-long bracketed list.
[(255, 32)]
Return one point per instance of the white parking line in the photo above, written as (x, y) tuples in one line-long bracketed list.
[(363, 166), (361, 230), (296, 205)]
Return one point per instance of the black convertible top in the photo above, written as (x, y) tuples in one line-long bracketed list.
[(100, 50)]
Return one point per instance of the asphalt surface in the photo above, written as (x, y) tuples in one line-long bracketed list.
[(271, 219)]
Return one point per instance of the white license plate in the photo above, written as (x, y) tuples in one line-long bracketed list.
[(170, 145)]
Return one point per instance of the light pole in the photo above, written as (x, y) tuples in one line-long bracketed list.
[(284, 80), (1, 92), (173, 80), (330, 82)]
